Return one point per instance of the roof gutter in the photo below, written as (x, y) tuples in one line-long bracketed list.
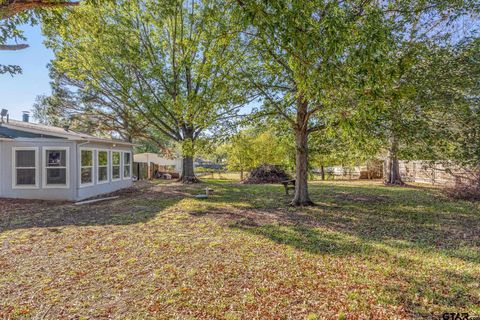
[(124, 143)]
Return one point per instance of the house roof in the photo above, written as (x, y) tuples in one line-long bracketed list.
[(4, 137), (57, 132)]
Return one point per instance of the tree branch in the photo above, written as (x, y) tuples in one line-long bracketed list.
[(13, 47), (9, 8)]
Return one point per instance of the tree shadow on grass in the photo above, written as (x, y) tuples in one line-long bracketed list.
[(444, 288), (307, 239), (135, 205), (406, 281), (418, 218)]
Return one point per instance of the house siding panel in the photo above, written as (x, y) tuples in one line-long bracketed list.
[(84, 192), (74, 192), (7, 167)]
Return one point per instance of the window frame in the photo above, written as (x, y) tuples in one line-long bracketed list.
[(45, 168), (130, 165), (97, 166), (119, 165), (83, 185), (15, 168)]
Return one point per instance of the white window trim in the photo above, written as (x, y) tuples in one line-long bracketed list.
[(119, 165), (123, 166), (14, 168), (97, 166), (84, 185), (67, 168)]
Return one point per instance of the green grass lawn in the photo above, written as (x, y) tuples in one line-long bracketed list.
[(365, 252)]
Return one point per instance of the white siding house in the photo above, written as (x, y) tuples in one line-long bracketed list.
[(51, 163)]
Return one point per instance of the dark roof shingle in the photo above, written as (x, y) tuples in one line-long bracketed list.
[(58, 132)]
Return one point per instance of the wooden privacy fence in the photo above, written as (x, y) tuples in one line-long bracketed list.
[(432, 172)]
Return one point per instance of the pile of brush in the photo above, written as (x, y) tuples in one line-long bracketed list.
[(267, 173)]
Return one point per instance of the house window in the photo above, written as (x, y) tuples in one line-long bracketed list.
[(56, 167), (102, 166), (115, 165), (86, 167), (25, 167), (127, 165)]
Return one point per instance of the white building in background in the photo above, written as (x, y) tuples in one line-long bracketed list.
[(154, 162)]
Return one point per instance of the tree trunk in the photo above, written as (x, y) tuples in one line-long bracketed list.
[(188, 174), (301, 159), (392, 175), (188, 150), (322, 168), (241, 175)]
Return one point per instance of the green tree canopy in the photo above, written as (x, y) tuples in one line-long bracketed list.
[(250, 148), (321, 62), (174, 63), (424, 83)]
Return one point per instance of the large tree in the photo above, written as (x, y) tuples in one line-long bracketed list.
[(73, 103), (173, 63), (317, 59), (424, 83)]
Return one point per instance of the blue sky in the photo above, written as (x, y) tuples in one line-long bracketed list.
[(18, 93)]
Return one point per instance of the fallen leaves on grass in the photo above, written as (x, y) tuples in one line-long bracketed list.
[(243, 253)]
